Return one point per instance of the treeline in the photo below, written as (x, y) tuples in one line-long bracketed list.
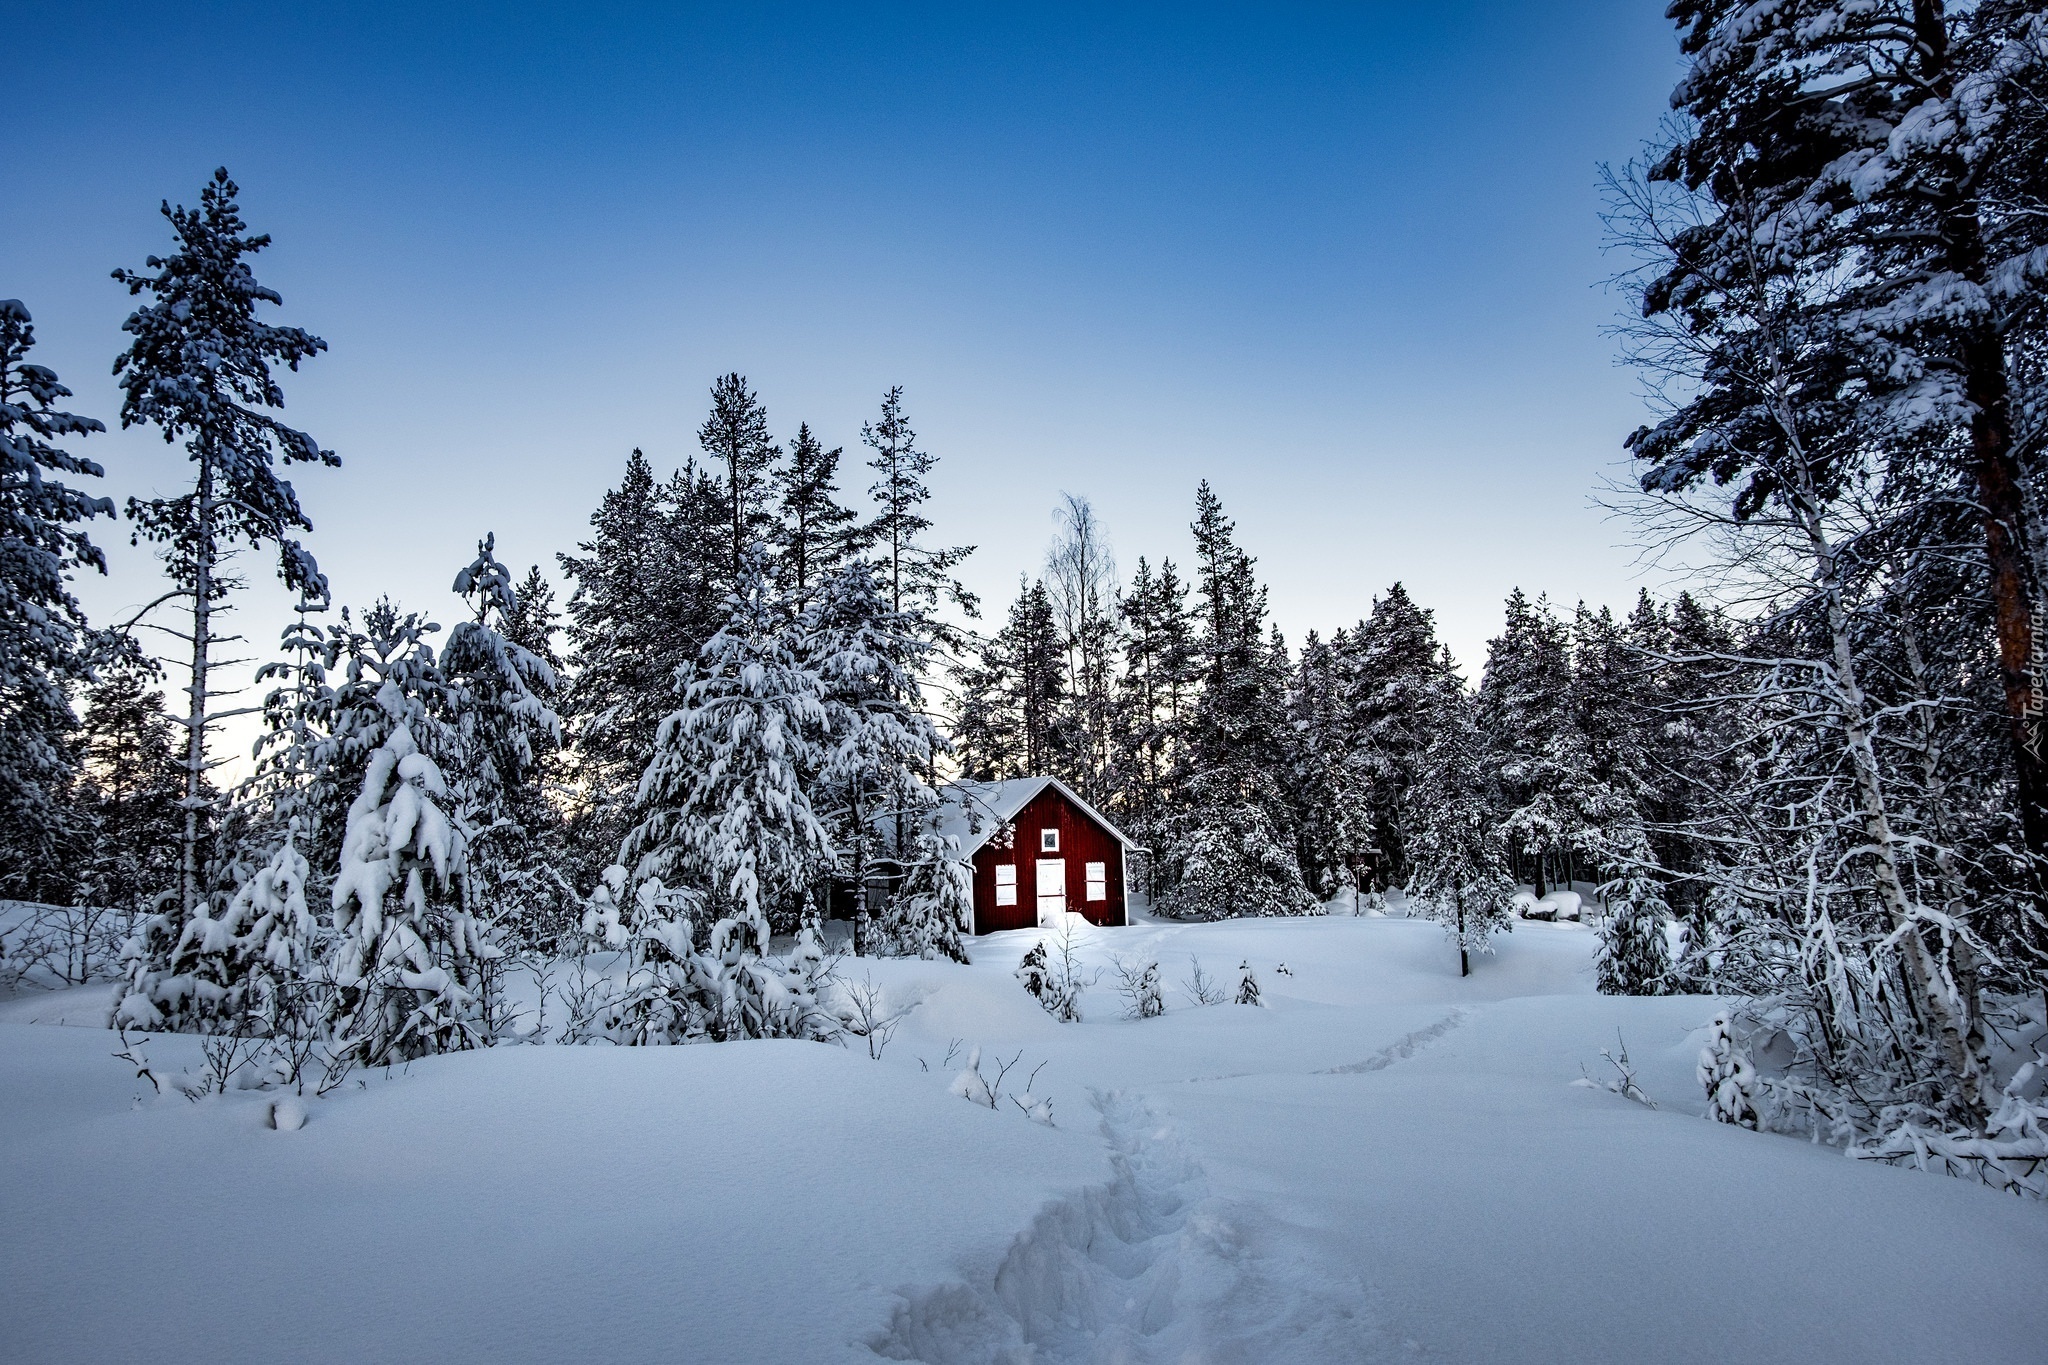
[(723, 729), (1268, 781)]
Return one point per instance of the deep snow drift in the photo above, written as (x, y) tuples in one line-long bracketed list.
[(1381, 1162)]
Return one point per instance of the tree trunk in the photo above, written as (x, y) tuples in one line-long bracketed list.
[(2005, 530), (195, 726), (1987, 386), (1537, 879)]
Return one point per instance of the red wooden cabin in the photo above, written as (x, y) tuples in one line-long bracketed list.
[(1038, 850)]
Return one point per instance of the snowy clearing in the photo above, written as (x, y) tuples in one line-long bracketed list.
[(1382, 1162)]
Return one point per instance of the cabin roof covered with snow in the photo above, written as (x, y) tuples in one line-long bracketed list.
[(972, 812)]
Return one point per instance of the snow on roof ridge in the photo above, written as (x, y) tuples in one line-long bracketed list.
[(992, 804)]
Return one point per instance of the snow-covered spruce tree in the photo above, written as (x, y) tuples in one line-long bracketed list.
[(408, 958), (1233, 864), (1154, 693), (1548, 794), (1052, 976), (725, 803), (647, 596), (1727, 1076), (927, 914), (1014, 715), (871, 780), (506, 725), (234, 973), (200, 370), (917, 577), (1635, 955), (530, 887), (1247, 984), (1460, 874), (44, 645), (1232, 851), (735, 440), (1686, 745), (129, 793), (1393, 676), (1327, 777), (814, 534)]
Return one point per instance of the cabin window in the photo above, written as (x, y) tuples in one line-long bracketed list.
[(1006, 883), (1098, 881), (1048, 841)]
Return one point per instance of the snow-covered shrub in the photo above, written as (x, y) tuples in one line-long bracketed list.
[(230, 973), (970, 1083), (1200, 987), (1138, 984), (1727, 1076), (675, 991), (62, 945), (1053, 975), (865, 1013), (759, 996), (1036, 974), (1247, 985), (2010, 1154)]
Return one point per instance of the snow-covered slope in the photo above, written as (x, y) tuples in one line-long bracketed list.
[(1385, 1161)]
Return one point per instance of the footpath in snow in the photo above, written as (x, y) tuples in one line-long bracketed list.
[(1384, 1162)]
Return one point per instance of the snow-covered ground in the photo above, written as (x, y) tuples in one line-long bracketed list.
[(1382, 1162)]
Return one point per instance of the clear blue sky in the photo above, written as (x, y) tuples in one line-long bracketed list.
[(1344, 262)]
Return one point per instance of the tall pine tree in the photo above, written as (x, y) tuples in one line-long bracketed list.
[(200, 370), (44, 645)]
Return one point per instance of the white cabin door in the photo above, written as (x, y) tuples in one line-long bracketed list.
[(1052, 890)]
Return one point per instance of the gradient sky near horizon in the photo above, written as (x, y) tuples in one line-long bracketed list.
[(1344, 262)]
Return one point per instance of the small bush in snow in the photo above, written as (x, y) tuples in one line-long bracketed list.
[(1200, 987), (1727, 1076), (1053, 975), (977, 1087), (1248, 985), (1139, 986), (865, 1013)]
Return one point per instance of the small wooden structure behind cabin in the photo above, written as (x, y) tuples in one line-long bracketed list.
[(1038, 851)]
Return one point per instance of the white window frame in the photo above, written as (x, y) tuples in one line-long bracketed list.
[(1048, 841), (1098, 881), (1006, 883)]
